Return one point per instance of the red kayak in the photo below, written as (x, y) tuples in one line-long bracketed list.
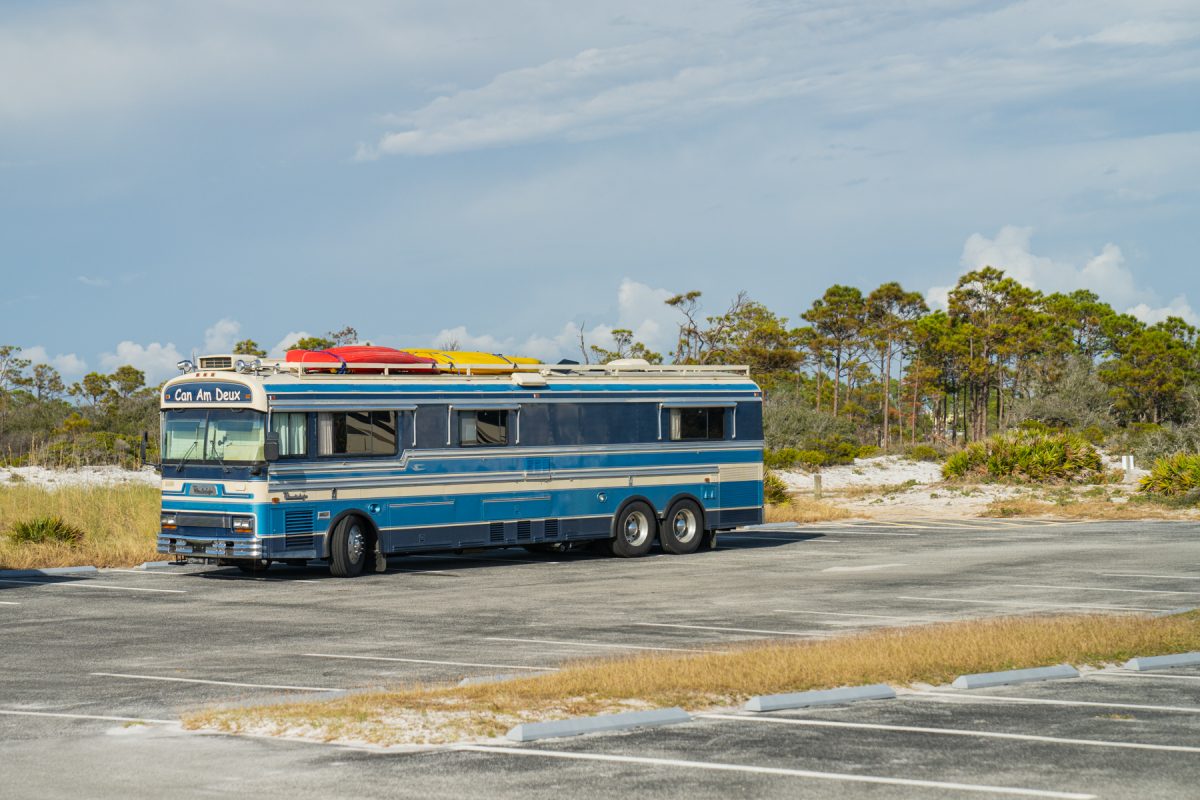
[(347, 356)]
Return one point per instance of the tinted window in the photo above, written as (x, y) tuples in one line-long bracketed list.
[(293, 433), (688, 424), (484, 427), (362, 433)]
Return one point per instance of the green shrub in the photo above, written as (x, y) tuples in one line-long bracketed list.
[(775, 491), (1028, 456), (923, 452), (45, 529), (1173, 476), (867, 451)]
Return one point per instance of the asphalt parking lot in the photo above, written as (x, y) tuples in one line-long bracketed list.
[(96, 670)]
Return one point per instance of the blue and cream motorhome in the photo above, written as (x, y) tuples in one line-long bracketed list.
[(274, 461)]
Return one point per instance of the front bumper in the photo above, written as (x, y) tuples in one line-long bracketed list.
[(209, 547)]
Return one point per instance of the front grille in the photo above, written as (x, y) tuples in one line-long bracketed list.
[(524, 530), (297, 520), (298, 542), (551, 529), (185, 520), (496, 533), (217, 362)]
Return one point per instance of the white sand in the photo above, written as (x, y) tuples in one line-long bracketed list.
[(85, 476)]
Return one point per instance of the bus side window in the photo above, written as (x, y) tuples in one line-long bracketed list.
[(483, 427), (292, 428), (356, 433), (697, 424)]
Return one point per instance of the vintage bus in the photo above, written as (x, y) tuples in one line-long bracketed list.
[(272, 461)]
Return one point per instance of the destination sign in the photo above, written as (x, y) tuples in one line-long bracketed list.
[(207, 392)]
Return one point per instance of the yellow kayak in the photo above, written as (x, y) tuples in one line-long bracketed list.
[(456, 361)]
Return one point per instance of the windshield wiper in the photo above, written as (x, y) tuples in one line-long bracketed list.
[(224, 469), (179, 466)]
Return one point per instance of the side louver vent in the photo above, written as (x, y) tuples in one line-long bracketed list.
[(551, 529), (302, 541), (524, 530), (496, 533), (297, 520)]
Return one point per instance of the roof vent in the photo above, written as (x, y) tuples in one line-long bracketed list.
[(216, 362)]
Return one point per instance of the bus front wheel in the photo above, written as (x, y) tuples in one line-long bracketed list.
[(348, 549), (634, 530)]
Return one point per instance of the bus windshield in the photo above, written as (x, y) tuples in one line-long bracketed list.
[(213, 435)]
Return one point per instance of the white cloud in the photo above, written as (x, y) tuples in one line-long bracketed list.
[(156, 360), (221, 336), (69, 364), (292, 337), (640, 308), (1178, 307), (1106, 274), (95, 282)]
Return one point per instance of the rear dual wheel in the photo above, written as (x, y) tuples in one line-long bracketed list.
[(634, 530), (683, 529)]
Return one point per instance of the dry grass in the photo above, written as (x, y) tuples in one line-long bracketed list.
[(804, 510), (1084, 508), (900, 656), (120, 525)]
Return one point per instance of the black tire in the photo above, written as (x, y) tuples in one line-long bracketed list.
[(256, 567), (634, 530), (349, 548), (682, 531)]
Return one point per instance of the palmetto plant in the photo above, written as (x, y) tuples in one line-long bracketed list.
[(1173, 476), (45, 529), (1035, 456)]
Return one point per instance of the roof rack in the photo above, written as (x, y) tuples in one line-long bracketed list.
[(626, 368)]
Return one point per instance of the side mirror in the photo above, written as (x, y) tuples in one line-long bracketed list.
[(271, 447)]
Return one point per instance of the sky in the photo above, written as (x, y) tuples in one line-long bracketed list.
[(176, 176)]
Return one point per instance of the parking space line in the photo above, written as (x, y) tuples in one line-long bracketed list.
[(1023, 737), (863, 568), (874, 533), (429, 661), (1107, 674), (732, 630), (213, 683), (848, 614), (93, 585), (1097, 589), (591, 644), (781, 771), (1141, 575), (967, 699), (16, 713), (1025, 604), (8, 603)]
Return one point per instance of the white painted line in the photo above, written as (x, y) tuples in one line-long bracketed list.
[(1096, 589), (874, 533), (791, 773), (1142, 575), (213, 683), (87, 584), (428, 661), (8, 603), (972, 698), (1024, 603), (15, 713), (733, 630), (738, 537), (864, 568), (1107, 674), (848, 614), (590, 644), (1022, 737)]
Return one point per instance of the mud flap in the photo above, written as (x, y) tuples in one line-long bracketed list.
[(380, 558)]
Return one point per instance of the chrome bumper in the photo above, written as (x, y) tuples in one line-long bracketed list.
[(202, 547)]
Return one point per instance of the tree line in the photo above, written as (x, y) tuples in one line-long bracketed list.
[(878, 367)]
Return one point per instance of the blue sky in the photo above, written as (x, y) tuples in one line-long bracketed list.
[(178, 175)]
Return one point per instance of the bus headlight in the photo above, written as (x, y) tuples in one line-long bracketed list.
[(243, 524), (168, 520)]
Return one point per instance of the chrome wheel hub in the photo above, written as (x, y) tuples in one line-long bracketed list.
[(355, 544), (684, 525), (637, 529)]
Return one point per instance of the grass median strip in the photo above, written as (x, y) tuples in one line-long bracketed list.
[(930, 654)]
